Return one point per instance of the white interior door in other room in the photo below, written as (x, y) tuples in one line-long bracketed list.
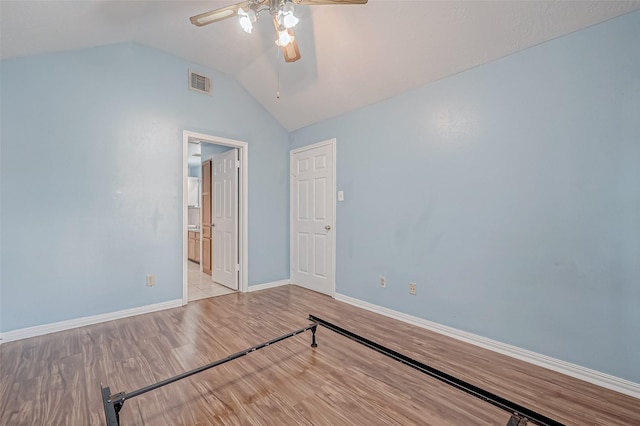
[(312, 217), (224, 220)]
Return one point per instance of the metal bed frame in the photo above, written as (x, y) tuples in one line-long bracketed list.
[(520, 415)]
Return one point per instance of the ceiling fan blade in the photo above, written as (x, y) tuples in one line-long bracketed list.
[(218, 14), (321, 2), (291, 52)]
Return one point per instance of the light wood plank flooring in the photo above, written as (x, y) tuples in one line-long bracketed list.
[(55, 379)]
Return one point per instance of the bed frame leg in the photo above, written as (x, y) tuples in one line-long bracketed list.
[(516, 420), (313, 337), (111, 409)]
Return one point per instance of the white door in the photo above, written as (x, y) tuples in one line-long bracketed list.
[(312, 217), (224, 218)]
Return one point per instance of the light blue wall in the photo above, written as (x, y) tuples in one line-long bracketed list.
[(209, 150), (195, 171), (92, 180), (510, 194)]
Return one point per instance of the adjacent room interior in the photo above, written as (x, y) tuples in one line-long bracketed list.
[(212, 206), (450, 184)]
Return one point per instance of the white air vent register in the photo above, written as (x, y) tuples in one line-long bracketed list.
[(199, 83)]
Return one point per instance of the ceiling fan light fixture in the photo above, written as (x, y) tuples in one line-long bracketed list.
[(286, 16), (282, 15), (290, 20), (284, 38), (247, 19)]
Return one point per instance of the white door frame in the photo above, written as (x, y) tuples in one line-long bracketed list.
[(243, 208), (333, 190)]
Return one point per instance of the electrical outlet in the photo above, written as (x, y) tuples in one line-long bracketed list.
[(383, 281), (412, 288), (151, 280)]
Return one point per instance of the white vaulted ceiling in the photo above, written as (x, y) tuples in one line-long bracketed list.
[(352, 55)]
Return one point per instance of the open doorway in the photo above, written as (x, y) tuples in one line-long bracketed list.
[(215, 192)]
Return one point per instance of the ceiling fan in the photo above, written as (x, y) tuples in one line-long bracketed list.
[(281, 11)]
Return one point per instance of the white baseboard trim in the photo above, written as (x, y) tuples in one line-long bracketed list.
[(592, 376), (265, 286), (40, 330)]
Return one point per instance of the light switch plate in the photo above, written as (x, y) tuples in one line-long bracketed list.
[(340, 195)]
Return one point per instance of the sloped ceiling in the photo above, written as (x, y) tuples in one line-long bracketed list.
[(352, 55)]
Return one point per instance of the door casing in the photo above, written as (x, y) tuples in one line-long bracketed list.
[(243, 205)]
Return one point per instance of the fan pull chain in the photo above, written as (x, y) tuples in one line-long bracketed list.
[(278, 71)]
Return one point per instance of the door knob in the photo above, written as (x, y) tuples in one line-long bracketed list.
[(327, 227), (212, 225)]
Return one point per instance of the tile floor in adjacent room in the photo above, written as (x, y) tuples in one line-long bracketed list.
[(201, 286)]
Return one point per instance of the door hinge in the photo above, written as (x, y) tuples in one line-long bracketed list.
[(237, 164), (238, 267)]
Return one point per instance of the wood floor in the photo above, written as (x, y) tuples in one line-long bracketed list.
[(55, 379)]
